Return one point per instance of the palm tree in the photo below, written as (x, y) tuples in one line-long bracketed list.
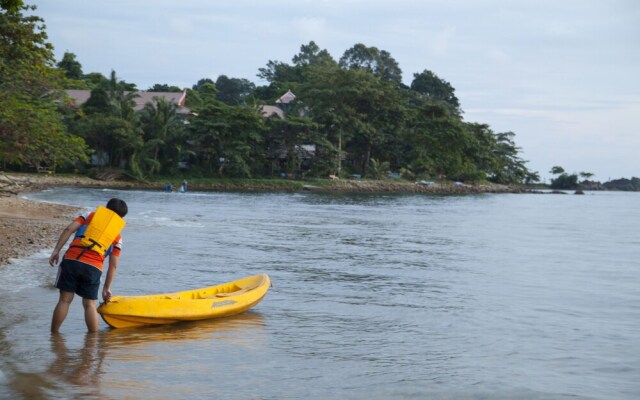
[(163, 130)]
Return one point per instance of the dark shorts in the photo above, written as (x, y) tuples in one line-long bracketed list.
[(80, 278)]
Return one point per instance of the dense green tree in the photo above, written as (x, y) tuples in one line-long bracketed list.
[(31, 131), (586, 175), (435, 89), (161, 128), (510, 167), (163, 87), (310, 54), (227, 139), (111, 126), (439, 144), (373, 60), (482, 149), (201, 83), (234, 91), (357, 110), (283, 139), (71, 67), (94, 79), (32, 134), (565, 181)]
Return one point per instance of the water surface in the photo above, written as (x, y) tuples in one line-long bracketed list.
[(374, 296)]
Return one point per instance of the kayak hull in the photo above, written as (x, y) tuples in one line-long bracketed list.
[(205, 303)]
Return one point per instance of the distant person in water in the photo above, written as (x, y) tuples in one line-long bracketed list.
[(96, 237), (168, 187), (184, 187)]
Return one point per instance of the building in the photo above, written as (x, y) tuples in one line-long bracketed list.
[(79, 97)]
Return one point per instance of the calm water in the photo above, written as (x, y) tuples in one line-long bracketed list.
[(374, 297)]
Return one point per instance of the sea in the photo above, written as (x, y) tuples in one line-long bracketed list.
[(374, 296)]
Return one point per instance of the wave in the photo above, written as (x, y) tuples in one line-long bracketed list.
[(28, 272), (147, 219)]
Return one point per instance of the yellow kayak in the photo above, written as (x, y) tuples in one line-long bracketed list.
[(205, 303)]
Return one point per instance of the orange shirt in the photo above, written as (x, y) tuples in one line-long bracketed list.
[(82, 254)]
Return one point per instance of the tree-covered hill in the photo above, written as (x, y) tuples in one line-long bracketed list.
[(350, 116)]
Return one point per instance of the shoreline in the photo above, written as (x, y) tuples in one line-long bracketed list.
[(16, 183), (28, 226)]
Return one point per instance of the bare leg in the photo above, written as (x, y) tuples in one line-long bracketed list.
[(90, 315), (61, 310)]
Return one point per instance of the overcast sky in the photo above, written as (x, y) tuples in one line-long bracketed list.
[(564, 76)]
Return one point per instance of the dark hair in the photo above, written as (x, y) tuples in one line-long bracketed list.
[(118, 206)]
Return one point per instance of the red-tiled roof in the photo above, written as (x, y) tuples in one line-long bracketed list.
[(142, 98)]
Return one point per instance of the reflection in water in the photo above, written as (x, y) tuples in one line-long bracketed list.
[(229, 329), (81, 372), (80, 368), (73, 372)]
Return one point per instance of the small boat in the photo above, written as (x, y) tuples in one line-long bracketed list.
[(192, 305)]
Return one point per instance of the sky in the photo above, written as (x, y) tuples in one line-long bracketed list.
[(564, 76)]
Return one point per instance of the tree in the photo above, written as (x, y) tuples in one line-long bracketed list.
[(233, 91), (201, 83), (586, 175), (311, 54), (227, 139), (71, 67), (94, 79), (435, 89), (161, 128), (31, 131), (563, 180), (33, 135), (111, 126), (163, 87), (510, 167), (283, 139), (379, 63), (439, 144), (359, 113), (282, 76)]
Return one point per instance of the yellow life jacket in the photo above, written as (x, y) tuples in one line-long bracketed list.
[(102, 230)]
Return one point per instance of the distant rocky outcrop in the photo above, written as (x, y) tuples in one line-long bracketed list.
[(592, 185), (631, 185)]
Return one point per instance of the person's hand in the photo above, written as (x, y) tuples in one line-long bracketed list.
[(106, 295), (53, 259)]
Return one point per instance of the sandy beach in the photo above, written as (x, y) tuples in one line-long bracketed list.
[(29, 226)]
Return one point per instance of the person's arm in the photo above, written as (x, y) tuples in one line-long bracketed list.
[(64, 236), (111, 273)]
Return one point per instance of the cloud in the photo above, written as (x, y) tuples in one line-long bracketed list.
[(310, 28), (181, 26), (440, 41)]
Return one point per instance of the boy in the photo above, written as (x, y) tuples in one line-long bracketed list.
[(97, 235)]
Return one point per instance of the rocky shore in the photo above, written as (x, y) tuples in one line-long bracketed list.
[(29, 226)]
